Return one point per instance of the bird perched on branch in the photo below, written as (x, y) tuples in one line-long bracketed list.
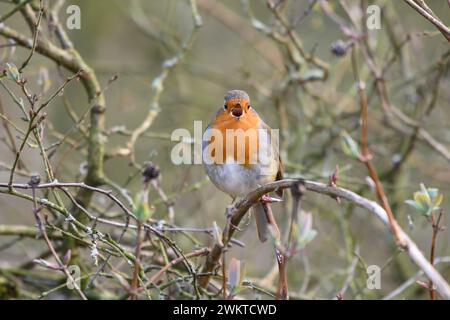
[(240, 154)]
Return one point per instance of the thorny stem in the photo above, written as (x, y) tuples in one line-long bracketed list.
[(137, 253), (436, 229), (240, 209), (366, 156), (297, 193), (282, 255), (283, 293), (225, 240)]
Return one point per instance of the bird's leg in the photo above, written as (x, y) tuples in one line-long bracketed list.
[(229, 212), (231, 205)]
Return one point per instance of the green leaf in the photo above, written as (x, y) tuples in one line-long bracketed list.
[(305, 222), (433, 192), (422, 199), (306, 233), (425, 192), (349, 146), (142, 210), (438, 200), (307, 238), (426, 200), (12, 73), (416, 206)]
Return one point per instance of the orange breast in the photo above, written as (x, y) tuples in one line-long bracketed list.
[(240, 138)]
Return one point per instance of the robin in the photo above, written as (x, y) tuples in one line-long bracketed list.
[(240, 154)]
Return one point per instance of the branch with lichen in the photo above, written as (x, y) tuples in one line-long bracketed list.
[(70, 59)]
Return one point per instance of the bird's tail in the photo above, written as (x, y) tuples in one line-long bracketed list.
[(264, 217)]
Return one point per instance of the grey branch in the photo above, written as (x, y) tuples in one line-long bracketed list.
[(240, 209)]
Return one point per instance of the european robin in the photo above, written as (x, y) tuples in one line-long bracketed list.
[(240, 154)]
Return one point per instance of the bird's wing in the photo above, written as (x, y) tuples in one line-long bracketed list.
[(205, 137), (206, 133), (276, 146)]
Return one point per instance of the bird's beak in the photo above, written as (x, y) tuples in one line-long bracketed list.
[(237, 111)]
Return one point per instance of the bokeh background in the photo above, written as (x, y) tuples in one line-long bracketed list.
[(132, 39)]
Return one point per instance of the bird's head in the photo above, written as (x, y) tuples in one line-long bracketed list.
[(237, 103)]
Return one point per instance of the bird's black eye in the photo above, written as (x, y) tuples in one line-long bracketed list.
[(249, 106), (225, 106)]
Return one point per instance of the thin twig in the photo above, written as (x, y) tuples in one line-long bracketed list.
[(436, 229), (137, 269), (196, 253), (158, 82), (51, 248), (14, 10), (35, 36), (430, 17), (366, 156)]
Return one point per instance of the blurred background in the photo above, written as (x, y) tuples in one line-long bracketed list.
[(243, 45)]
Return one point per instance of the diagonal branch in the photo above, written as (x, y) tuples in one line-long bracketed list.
[(240, 209), (427, 14), (366, 156)]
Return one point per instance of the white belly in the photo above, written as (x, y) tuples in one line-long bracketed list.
[(235, 179)]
